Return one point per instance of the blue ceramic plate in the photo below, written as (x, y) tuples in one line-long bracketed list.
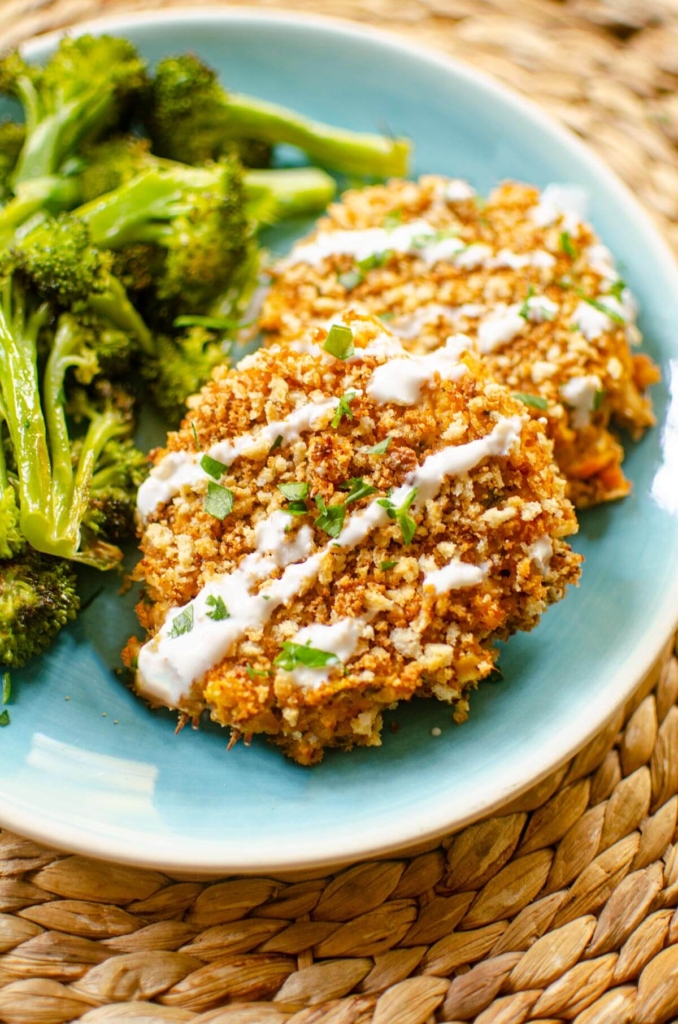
[(86, 766)]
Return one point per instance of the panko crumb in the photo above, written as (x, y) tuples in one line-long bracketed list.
[(531, 284), (407, 637)]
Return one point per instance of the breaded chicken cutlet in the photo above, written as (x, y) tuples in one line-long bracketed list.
[(522, 274), (338, 526)]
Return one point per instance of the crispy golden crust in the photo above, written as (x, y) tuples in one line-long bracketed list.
[(413, 641), (543, 356)]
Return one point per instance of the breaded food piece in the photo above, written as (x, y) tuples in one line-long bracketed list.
[(522, 274), (338, 526)]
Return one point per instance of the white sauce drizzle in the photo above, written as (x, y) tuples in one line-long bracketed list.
[(401, 380), (169, 665), (339, 638), (601, 260), (417, 237), (456, 189), (520, 260), (592, 322), (181, 469), (410, 325), (456, 575), (580, 394), (541, 552), (569, 202), (540, 308), (500, 327)]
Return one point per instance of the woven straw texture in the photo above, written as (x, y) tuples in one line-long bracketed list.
[(559, 909)]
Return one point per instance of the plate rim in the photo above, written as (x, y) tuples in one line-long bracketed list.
[(217, 859)]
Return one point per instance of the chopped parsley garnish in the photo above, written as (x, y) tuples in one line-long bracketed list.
[(612, 313), (598, 399), (407, 524), (6, 687), (253, 673), (295, 508), (213, 467), (357, 489), (344, 408), (295, 491), (219, 501), (276, 444), (350, 279), (392, 219), (293, 655), (182, 623), (377, 259), (386, 316), (385, 566), (524, 310), (195, 436), (339, 342), (219, 609), (564, 282), (617, 288), (567, 245), (381, 448), (331, 518), (536, 401), (4, 718)]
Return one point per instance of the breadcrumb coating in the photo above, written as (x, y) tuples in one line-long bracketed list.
[(506, 517), (540, 319)]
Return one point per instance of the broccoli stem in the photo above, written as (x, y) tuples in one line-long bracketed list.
[(21, 393), (295, 191), (114, 305), (338, 148), (50, 193), (52, 138)]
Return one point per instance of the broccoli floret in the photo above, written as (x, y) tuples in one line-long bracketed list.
[(120, 472), (182, 364), (53, 493), (194, 216), (61, 263), (37, 599), (12, 541), (84, 90), (192, 118)]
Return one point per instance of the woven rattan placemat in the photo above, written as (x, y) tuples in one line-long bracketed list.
[(559, 909)]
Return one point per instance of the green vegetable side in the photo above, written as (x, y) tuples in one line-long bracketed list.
[(130, 210)]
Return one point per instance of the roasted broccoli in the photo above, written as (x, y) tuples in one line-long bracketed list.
[(37, 599), (53, 487), (12, 137), (192, 118), (182, 364)]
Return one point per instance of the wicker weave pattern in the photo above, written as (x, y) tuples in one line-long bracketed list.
[(561, 908)]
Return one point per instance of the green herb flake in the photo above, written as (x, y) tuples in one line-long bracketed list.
[(617, 288), (376, 260), (256, 673), (339, 342), (357, 489), (219, 501), (219, 609), (195, 436), (296, 508), (598, 399), (343, 409), (387, 316), (524, 310), (392, 219), (350, 279), (381, 448), (276, 444), (331, 518), (293, 655), (407, 524), (6, 687), (182, 623), (535, 401), (385, 566), (212, 467), (4, 718), (597, 304), (567, 245), (295, 491)]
